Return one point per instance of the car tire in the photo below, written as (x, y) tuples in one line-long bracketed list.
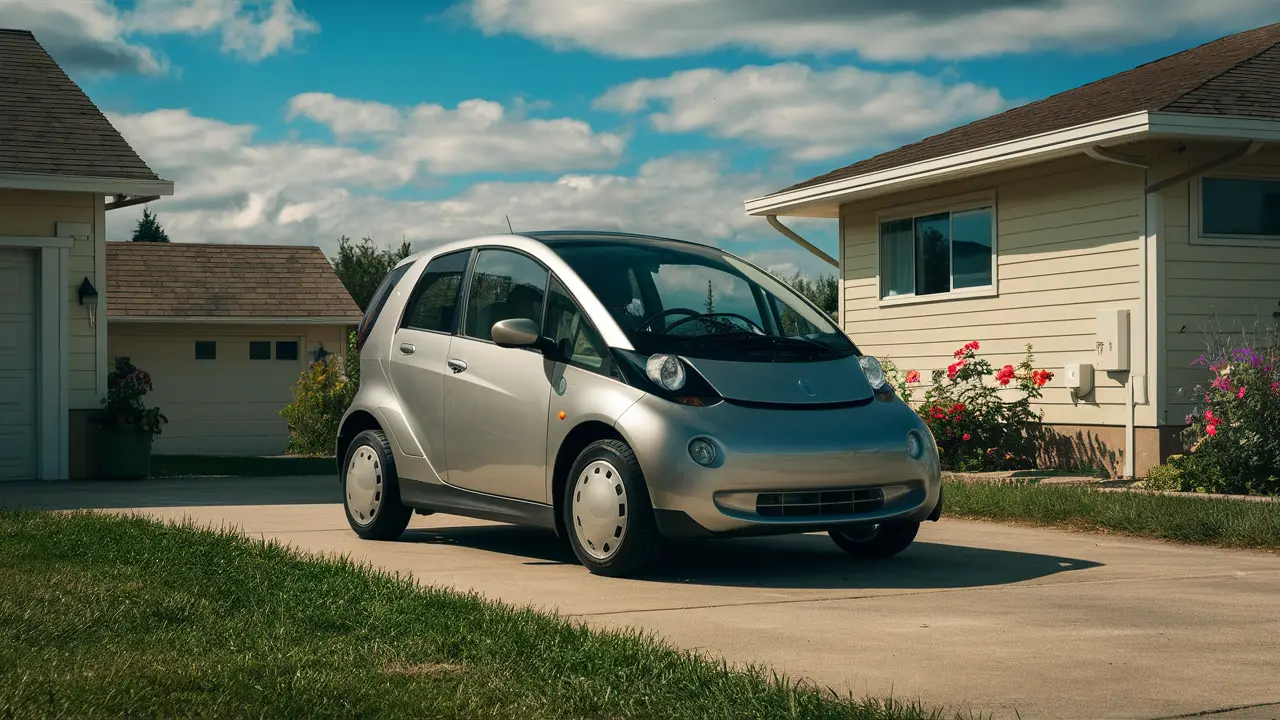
[(371, 488), (888, 539), (613, 546)]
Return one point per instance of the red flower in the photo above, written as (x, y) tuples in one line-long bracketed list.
[(1040, 377), (968, 348), (1005, 375), (1241, 395), (954, 368), (1212, 429), (967, 437), (913, 376)]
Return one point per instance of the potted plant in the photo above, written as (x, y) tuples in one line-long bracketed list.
[(126, 425)]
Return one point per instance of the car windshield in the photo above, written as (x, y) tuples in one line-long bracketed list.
[(697, 301)]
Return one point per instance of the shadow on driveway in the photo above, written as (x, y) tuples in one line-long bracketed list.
[(788, 561), (171, 492)]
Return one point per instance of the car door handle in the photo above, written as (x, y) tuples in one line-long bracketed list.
[(407, 348), (456, 365)]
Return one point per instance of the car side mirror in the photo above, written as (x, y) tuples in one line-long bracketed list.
[(516, 332)]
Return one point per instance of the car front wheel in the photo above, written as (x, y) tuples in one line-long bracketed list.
[(608, 513), (879, 540), (371, 488)]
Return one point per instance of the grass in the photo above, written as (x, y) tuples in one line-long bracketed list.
[(117, 616), (191, 465), (1201, 521)]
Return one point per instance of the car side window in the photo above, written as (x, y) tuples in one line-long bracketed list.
[(504, 285), (379, 299), (577, 341), (434, 303)]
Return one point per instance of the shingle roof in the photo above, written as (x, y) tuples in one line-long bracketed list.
[(1237, 75), (49, 126), (146, 279)]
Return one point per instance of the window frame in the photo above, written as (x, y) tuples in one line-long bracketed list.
[(954, 204), (460, 330), (462, 293), (1197, 235)]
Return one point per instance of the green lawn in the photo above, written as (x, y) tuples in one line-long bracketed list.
[(109, 616), (192, 465), (1205, 521)]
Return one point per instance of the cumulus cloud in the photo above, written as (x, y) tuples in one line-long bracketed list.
[(476, 136), (231, 189), (97, 36), (886, 30), (812, 115)]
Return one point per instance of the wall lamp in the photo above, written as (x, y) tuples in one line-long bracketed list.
[(89, 298)]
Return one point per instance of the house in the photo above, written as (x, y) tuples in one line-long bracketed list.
[(1106, 225), (224, 331), (60, 160)]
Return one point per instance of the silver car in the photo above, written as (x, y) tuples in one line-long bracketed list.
[(620, 390)]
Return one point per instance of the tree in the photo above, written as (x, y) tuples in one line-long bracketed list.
[(148, 229), (823, 291), (362, 267), (710, 302)]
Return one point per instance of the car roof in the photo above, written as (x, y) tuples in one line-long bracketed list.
[(553, 239)]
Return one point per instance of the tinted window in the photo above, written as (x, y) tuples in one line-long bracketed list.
[(578, 342), (1237, 206), (434, 304), (206, 350), (379, 300), (260, 350), (287, 350), (504, 285)]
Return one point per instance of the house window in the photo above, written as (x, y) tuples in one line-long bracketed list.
[(1240, 207), (260, 350), (286, 350), (937, 253), (206, 350)]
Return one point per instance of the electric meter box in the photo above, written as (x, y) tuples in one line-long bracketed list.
[(1112, 342)]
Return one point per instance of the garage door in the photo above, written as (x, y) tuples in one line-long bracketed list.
[(17, 365), (219, 400)]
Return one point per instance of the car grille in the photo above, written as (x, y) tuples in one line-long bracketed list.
[(818, 503)]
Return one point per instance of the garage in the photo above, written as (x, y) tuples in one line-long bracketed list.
[(224, 331), (18, 363)]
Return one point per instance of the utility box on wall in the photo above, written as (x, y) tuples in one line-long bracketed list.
[(1112, 342)]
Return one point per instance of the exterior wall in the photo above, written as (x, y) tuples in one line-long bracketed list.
[(229, 405), (1067, 244), (1210, 285)]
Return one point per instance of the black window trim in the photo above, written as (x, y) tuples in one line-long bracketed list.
[(466, 293), (462, 293)]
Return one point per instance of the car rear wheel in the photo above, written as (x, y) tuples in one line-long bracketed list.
[(608, 513), (371, 488), (880, 540)]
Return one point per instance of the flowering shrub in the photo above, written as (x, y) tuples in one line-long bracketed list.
[(1234, 436), (975, 427), (320, 397), (126, 385)]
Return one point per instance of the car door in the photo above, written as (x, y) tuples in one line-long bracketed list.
[(496, 398), (420, 351)]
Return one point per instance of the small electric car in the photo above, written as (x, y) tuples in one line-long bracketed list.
[(620, 390)]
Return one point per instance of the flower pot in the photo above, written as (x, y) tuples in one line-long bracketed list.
[(124, 452)]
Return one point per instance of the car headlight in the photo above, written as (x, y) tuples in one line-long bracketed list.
[(666, 371), (871, 368)]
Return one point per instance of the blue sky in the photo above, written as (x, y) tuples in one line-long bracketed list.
[(299, 122)]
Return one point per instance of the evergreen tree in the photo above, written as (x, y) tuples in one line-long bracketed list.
[(710, 302), (149, 229)]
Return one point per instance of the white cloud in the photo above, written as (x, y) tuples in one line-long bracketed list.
[(230, 189), (888, 30), (813, 115), (97, 36), (477, 136)]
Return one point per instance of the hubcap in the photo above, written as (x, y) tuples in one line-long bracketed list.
[(599, 509), (364, 485)]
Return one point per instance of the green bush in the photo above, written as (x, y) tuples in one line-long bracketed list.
[(322, 394), (1168, 476), (976, 428)]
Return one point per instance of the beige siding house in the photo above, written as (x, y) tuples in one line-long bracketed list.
[(60, 159), (1137, 210), (224, 331)]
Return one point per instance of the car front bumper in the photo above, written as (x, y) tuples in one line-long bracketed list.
[(782, 470)]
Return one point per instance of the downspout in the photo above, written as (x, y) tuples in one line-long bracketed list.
[(791, 235)]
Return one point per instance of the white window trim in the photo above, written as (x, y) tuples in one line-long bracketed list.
[(1197, 234), (957, 203)]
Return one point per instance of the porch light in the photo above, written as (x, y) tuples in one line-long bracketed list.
[(89, 298)]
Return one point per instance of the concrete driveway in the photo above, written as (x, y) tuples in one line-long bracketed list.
[(974, 615)]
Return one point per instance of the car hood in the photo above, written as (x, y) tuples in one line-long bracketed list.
[(838, 380)]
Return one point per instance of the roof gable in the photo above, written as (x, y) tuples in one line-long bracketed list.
[(1236, 75), (48, 125), (199, 280)]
